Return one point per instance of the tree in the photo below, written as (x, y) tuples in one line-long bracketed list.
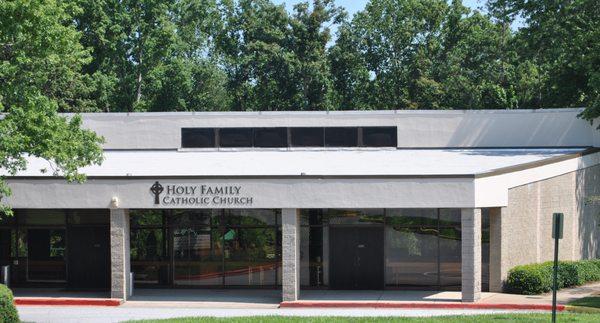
[(41, 60), (310, 34), (559, 43), (153, 55), (422, 54)]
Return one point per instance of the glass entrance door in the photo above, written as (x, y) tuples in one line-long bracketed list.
[(46, 255)]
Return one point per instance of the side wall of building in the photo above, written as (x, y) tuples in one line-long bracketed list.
[(521, 233)]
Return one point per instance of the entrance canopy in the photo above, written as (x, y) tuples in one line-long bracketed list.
[(363, 178), (356, 162)]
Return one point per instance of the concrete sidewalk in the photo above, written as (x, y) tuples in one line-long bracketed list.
[(271, 298), (563, 296), (433, 299)]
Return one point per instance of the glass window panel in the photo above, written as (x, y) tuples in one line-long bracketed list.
[(22, 242), (235, 137), (450, 258), (311, 256), (140, 218), (147, 244), (42, 217), (270, 137), (311, 217), (251, 217), (89, 216), (307, 137), (341, 137), (354, 216), (412, 217), (450, 217), (148, 256), (380, 136), (198, 256), (411, 257), (251, 257), (193, 217), (197, 137)]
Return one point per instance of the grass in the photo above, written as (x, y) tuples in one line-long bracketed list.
[(592, 301), (585, 305), (545, 317)]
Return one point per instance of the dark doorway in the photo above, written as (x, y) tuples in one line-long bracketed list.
[(88, 254), (4, 247), (356, 257), (46, 255)]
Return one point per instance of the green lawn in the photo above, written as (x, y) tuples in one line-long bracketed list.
[(593, 301), (585, 305), (562, 317)]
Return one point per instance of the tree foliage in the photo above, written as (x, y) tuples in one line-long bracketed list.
[(41, 60), (205, 55)]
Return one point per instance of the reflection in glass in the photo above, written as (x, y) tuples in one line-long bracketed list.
[(193, 217), (450, 217), (146, 217), (411, 256), (412, 217), (250, 217), (147, 256), (450, 257), (42, 217), (197, 254), (250, 256), (354, 216), (312, 271), (89, 216)]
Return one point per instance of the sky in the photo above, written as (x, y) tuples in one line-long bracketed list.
[(353, 6)]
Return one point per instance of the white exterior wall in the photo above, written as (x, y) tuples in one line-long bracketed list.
[(266, 193), (296, 192), (416, 129)]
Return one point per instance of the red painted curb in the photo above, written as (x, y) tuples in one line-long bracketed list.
[(67, 301), (480, 306)]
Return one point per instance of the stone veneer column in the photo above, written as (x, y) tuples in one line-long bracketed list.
[(119, 253), (290, 245), (471, 254), (497, 271)]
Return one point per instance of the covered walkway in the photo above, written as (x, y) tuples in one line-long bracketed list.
[(271, 298)]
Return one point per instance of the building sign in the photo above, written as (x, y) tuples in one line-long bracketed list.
[(199, 195)]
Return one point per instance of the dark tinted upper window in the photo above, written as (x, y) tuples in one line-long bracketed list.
[(341, 137), (270, 137), (379, 136), (197, 137), (235, 137), (307, 137)]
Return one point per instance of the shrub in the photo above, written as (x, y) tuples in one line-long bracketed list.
[(529, 279), (537, 278), (8, 312)]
